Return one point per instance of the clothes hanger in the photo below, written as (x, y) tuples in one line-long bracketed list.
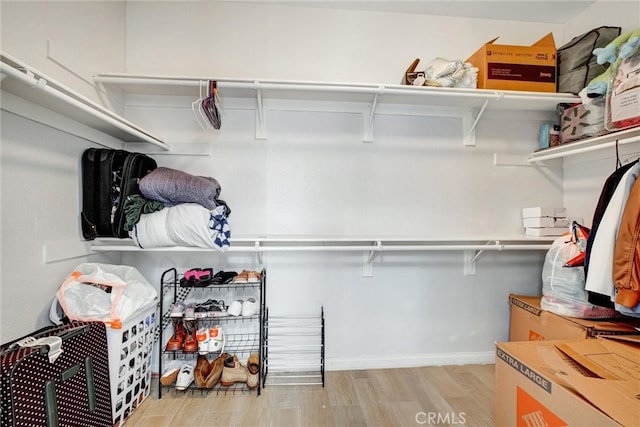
[(201, 118), (210, 105)]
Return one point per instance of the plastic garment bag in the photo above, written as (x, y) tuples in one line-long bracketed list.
[(563, 280), (104, 292)]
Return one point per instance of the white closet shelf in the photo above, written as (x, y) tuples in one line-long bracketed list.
[(468, 104), (369, 247), (27, 83), (350, 92), (586, 145), (340, 244)]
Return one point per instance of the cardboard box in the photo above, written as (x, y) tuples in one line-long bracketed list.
[(528, 68), (539, 211), (529, 322), (568, 383)]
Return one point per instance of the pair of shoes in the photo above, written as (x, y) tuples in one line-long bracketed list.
[(243, 308), (210, 340), (210, 308), (185, 376), (233, 372), (246, 276), (207, 374), (197, 277), (183, 338), (223, 277), (170, 373)]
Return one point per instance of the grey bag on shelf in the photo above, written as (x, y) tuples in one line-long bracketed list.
[(577, 65)]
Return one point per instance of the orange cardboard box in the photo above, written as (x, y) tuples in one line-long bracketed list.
[(529, 322), (523, 68), (568, 383)]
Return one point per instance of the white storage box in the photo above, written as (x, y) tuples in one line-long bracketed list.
[(546, 231), (130, 361), (545, 221), (539, 211)]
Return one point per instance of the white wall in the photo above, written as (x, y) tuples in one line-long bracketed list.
[(313, 174), (68, 40), (261, 40), (39, 165)]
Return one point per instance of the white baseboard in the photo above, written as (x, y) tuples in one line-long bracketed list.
[(437, 359)]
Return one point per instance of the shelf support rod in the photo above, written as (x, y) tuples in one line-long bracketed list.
[(471, 256), (257, 248), (470, 138), (367, 259), (367, 132), (261, 132)]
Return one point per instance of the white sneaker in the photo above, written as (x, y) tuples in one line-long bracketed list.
[(216, 339), (185, 376), (249, 307), (235, 308), (170, 372), (202, 335)]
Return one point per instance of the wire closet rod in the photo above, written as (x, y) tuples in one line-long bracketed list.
[(29, 79)]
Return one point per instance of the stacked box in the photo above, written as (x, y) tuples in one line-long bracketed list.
[(530, 322), (542, 221)]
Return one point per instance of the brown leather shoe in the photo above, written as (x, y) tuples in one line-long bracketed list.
[(253, 368), (237, 374), (176, 341), (190, 340), (203, 368), (216, 371)]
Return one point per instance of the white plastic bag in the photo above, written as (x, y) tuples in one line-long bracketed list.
[(563, 288), (104, 292)]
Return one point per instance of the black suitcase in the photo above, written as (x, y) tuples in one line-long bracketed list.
[(108, 177), (70, 390)]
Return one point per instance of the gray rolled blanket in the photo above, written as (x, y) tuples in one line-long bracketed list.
[(171, 187)]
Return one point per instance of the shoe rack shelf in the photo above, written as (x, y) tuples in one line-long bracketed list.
[(243, 335), (294, 350)]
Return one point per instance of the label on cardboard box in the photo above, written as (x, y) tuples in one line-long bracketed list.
[(539, 73), (530, 412)]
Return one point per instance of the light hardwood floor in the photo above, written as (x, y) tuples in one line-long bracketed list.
[(434, 395)]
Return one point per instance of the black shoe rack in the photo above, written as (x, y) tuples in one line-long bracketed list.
[(294, 350), (243, 334)]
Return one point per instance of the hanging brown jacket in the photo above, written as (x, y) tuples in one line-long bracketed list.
[(626, 260)]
